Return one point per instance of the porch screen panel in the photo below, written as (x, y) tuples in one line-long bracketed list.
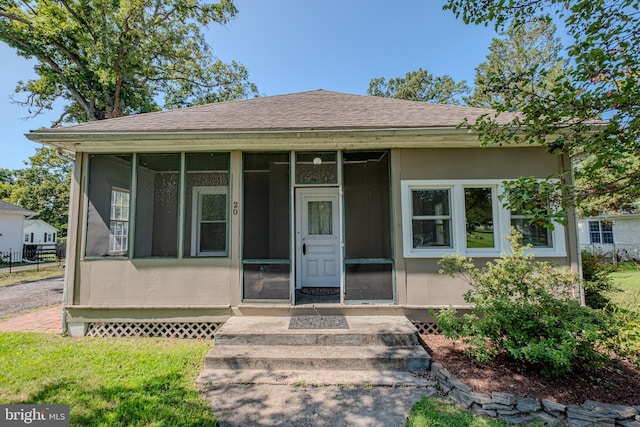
[(108, 192), (206, 204), (367, 282), (367, 216), (266, 226), (156, 224)]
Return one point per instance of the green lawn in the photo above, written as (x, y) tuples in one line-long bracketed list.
[(107, 382), (480, 239), (433, 412), (30, 275), (627, 280)]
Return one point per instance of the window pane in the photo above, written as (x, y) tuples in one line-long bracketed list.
[(316, 168), (214, 207), (478, 203), (207, 186), (266, 206), (109, 175), (157, 205), (430, 202), (537, 236), (320, 218), (431, 232), (213, 237)]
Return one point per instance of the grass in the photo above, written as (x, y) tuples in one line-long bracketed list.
[(626, 280), (107, 382), (433, 412), (480, 239), (30, 275)]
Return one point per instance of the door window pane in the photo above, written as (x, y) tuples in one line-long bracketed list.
[(157, 205), (478, 203), (320, 218)]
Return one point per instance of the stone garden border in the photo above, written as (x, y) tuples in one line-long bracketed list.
[(518, 410)]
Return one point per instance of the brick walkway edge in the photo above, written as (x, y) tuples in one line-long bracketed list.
[(48, 319)]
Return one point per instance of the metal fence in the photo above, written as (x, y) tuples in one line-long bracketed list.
[(30, 256), (614, 252)]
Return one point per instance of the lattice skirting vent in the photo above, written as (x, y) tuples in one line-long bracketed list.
[(427, 328), (153, 329)]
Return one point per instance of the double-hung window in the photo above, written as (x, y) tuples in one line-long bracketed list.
[(119, 222), (431, 218), (600, 232), (467, 217)]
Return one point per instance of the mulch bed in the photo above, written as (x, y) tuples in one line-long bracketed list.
[(618, 383)]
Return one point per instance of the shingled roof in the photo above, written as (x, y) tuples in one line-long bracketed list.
[(8, 208), (313, 110)]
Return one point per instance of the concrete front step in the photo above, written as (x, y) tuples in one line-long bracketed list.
[(297, 357), (363, 330), (376, 350), (316, 377)]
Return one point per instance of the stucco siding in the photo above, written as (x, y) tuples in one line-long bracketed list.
[(154, 283), (477, 163)]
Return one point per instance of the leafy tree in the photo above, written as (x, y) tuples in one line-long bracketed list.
[(5, 183), (111, 58), (43, 187), (522, 50), (420, 85), (602, 82)]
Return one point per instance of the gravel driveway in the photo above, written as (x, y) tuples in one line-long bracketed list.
[(27, 296)]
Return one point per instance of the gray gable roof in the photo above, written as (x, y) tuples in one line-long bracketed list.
[(8, 208), (313, 110)]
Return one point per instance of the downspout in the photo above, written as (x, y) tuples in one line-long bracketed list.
[(65, 328)]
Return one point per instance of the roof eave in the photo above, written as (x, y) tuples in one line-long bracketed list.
[(296, 139)]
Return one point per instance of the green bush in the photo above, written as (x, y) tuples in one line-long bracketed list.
[(526, 308), (596, 279), (625, 320)]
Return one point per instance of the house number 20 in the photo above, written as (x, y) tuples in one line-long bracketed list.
[(235, 208)]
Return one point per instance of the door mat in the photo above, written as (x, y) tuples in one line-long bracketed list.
[(318, 322), (320, 291)]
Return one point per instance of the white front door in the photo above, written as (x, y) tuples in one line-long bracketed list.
[(317, 237)]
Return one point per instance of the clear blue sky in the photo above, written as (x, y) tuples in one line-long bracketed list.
[(298, 45)]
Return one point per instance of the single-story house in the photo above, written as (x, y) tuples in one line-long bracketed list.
[(246, 207), (611, 234), (12, 218), (39, 233)]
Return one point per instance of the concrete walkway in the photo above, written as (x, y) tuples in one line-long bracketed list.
[(240, 405)]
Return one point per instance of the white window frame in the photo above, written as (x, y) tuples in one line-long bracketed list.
[(196, 194), (600, 232), (501, 221), (113, 250)]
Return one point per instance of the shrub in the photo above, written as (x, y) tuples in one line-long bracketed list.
[(596, 279), (526, 308), (625, 320)]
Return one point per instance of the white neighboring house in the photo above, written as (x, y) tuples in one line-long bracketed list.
[(39, 233), (12, 220), (619, 233)]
